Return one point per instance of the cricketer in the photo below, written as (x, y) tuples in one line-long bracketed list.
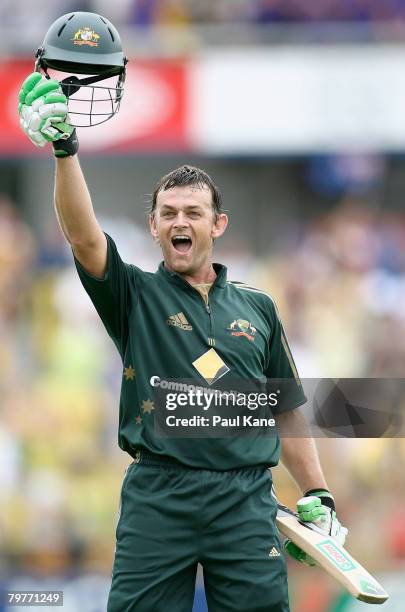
[(184, 500)]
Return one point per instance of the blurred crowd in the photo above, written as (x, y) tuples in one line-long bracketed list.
[(150, 12), (147, 13), (340, 283), (340, 287)]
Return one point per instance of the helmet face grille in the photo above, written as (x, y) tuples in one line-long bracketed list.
[(85, 43), (90, 105)]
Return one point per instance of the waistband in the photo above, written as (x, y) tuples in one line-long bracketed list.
[(145, 457)]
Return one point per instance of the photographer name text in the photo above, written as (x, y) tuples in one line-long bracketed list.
[(218, 421)]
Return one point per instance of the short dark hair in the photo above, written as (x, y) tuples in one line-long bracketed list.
[(188, 175)]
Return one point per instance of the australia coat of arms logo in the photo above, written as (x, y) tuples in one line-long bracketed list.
[(241, 327), (86, 36)]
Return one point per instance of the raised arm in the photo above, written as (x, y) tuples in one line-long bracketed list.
[(76, 216), (43, 117)]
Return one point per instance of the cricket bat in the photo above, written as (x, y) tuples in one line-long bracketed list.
[(330, 555)]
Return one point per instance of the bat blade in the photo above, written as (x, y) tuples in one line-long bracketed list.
[(330, 555)]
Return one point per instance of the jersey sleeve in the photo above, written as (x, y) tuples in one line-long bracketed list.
[(281, 365), (110, 295)]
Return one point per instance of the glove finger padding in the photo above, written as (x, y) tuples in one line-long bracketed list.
[(28, 85), (338, 531), (38, 128), (42, 106), (42, 88), (43, 111), (52, 109), (56, 97), (311, 509), (37, 138), (298, 554), (29, 123)]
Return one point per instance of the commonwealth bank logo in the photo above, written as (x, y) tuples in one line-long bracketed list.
[(179, 320), (211, 366)]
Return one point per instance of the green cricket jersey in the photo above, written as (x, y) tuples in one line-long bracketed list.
[(164, 331)]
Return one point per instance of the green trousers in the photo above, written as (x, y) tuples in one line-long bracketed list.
[(173, 517)]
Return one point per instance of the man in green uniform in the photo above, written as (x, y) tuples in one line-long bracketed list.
[(187, 500)]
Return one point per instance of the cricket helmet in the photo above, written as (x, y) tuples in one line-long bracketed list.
[(85, 44)]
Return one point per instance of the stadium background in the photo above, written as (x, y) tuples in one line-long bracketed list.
[(297, 111)]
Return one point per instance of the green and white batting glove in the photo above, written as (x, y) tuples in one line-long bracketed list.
[(318, 507), (43, 114)]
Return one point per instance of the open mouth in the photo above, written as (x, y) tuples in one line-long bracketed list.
[(182, 244)]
